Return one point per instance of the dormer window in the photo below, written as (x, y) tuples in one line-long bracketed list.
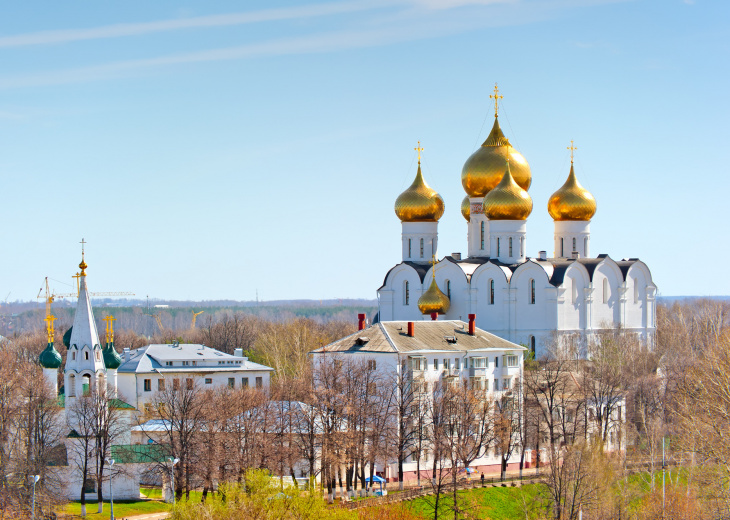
[(86, 356)]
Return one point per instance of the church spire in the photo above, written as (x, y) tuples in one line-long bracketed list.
[(84, 331)]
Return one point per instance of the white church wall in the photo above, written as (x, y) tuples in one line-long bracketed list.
[(573, 309), (491, 316), (403, 309), (529, 314), (457, 291), (606, 305)]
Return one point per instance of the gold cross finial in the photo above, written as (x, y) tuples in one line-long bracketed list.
[(49, 327), (572, 149), (496, 97), (419, 150), (109, 328), (433, 266)]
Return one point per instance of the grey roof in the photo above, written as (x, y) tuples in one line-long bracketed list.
[(392, 337), (153, 357)]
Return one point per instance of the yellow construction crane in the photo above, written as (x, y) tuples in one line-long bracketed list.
[(49, 297), (195, 317)]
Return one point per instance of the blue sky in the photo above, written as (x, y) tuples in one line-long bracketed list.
[(207, 150)]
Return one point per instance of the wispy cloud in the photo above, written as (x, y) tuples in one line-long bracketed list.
[(136, 29)]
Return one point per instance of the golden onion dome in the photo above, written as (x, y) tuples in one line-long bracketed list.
[(466, 208), (572, 201), (434, 300), (420, 202), (484, 169), (507, 201)]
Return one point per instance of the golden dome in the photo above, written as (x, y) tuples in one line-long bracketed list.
[(484, 169), (507, 201), (420, 202), (466, 208), (433, 300), (572, 201)]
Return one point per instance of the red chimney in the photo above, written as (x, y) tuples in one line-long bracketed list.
[(360, 321), (411, 332), (472, 317), (434, 316)]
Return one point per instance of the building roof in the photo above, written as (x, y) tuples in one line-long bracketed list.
[(153, 358), (84, 331), (392, 337)]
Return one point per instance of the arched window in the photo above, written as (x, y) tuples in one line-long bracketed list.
[(574, 249), (522, 247), (562, 250), (406, 293), (491, 292), (448, 289), (574, 292), (86, 385), (498, 247), (510, 247), (481, 234), (409, 248), (72, 385), (605, 290), (636, 290), (532, 291), (532, 346), (421, 248), (585, 246)]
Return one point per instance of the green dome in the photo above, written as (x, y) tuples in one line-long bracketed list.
[(50, 358), (111, 357)]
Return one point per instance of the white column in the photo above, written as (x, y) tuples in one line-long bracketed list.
[(419, 241), (51, 375), (570, 232)]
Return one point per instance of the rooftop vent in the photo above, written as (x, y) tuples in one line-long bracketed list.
[(456, 256), (576, 255), (362, 340), (450, 339), (542, 255)]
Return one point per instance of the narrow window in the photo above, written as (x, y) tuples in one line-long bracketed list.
[(605, 290), (176, 384), (73, 356), (510, 247), (499, 248), (147, 385), (532, 291), (421, 248), (160, 385), (574, 249), (446, 364), (409, 248), (532, 346), (435, 364), (585, 246), (457, 363), (259, 382), (575, 291), (562, 251), (208, 380), (371, 364), (189, 384), (482, 237), (231, 382), (636, 290), (244, 382), (522, 247), (491, 292), (496, 362), (448, 289), (72, 385), (86, 356), (406, 293)]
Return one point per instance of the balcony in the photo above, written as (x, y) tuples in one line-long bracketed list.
[(478, 372)]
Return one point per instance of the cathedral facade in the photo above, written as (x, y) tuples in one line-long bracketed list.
[(521, 299)]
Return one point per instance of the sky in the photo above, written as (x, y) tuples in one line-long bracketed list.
[(219, 149)]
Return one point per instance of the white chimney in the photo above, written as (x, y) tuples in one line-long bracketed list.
[(125, 354), (543, 255), (238, 352)]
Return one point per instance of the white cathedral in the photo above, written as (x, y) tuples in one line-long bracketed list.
[(524, 300)]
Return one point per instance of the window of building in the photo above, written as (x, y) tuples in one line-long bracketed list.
[(446, 364), (532, 291), (496, 385), (511, 361), (574, 291), (605, 290), (510, 247), (491, 292), (168, 363), (574, 249), (194, 363), (522, 247), (371, 364), (448, 289), (498, 247), (506, 384), (98, 355), (409, 248), (86, 356), (176, 384), (244, 382), (585, 246), (421, 248), (208, 380), (481, 235), (562, 250), (72, 385), (435, 364), (457, 363), (636, 290), (478, 362), (189, 383), (496, 362), (532, 346), (406, 293), (259, 382), (73, 356), (85, 385), (418, 364), (231, 382), (160, 384), (186, 363), (147, 385)]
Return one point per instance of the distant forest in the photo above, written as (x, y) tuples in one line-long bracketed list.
[(142, 318)]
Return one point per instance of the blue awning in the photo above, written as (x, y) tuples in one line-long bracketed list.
[(376, 479)]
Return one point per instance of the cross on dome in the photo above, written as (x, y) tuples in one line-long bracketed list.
[(496, 97), (433, 266), (572, 149), (49, 328), (109, 328), (419, 150), (82, 265)]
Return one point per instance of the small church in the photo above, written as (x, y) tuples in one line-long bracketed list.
[(523, 299)]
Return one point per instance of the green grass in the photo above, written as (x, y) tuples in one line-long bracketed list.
[(122, 508), (498, 503)]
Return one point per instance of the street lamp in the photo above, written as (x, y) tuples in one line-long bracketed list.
[(173, 462), (111, 488), (35, 479)]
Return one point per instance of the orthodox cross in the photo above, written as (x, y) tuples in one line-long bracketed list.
[(109, 328), (433, 266), (83, 243), (49, 320), (572, 149), (496, 97), (419, 150)]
